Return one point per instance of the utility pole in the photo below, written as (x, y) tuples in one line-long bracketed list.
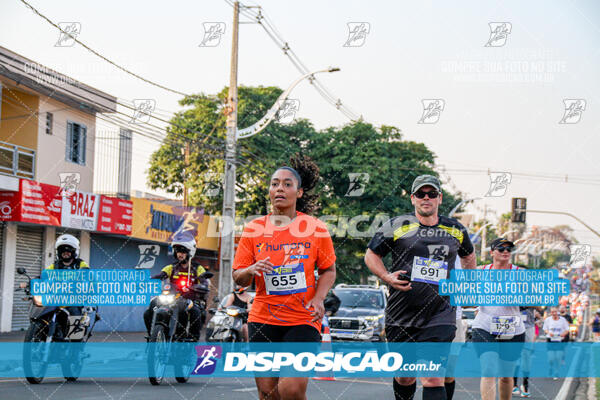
[(483, 234), (186, 154), (227, 229)]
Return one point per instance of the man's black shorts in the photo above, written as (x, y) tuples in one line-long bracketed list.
[(506, 353), (258, 332), (408, 334)]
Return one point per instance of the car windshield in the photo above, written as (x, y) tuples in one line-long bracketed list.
[(360, 298), (468, 314)]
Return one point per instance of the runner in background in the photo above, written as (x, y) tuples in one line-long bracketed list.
[(281, 252), (555, 328), (495, 325)]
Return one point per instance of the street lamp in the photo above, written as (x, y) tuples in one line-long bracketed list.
[(270, 115), (461, 203), (234, 133)]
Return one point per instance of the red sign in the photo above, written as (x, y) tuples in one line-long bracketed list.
[(115, 215), (40, 203), (80, 210)]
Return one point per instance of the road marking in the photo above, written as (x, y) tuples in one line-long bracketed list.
[(248, 389), (362, 381)]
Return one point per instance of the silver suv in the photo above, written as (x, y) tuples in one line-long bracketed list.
[(361, 315)]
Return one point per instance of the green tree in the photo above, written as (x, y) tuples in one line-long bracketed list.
[(390, 163)]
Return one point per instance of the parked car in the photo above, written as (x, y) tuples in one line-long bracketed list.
[(361, 315)]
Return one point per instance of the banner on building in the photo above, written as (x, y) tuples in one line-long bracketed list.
[(162, 222)]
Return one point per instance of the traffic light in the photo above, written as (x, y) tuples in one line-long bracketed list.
[(519, 209)]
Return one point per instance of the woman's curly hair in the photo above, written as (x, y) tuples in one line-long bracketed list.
[(309, 176)]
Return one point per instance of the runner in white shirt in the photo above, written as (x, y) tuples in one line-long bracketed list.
[(498, 324), (555, 328)]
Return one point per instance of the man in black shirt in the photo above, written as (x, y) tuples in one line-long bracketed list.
[(424, 247)]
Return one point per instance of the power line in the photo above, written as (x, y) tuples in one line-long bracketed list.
[(101, 56), (265, 22)]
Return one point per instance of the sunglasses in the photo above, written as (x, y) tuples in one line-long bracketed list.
[(419, 194), (503, 249)]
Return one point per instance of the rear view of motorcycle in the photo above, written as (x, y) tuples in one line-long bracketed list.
[(56, 335), (171, 341)]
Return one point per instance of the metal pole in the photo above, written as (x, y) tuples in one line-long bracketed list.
[(186, 155), (227, 232), (484, 234), (567, 214)]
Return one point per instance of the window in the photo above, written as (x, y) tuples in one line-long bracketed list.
[(49, 120), (76, 139)]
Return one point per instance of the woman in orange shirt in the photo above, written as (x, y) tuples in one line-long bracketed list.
[(281, 252)]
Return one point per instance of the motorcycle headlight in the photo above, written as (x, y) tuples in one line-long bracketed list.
[(166, 298), (165, 292), (37, 300), (232, 312)]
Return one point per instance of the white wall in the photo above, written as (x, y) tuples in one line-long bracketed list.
[(51, 150)]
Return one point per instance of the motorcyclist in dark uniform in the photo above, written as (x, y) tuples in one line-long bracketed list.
[(183, 251)]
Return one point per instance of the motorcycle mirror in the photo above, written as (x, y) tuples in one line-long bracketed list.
[(212, 311), (21, 271), (207, 275)]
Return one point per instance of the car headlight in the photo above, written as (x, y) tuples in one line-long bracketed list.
[(233, 312), (373, 318), (37, 300), (166, 298)]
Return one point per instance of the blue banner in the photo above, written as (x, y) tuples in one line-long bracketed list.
[(131, 360), (95, 287), (504, 287)]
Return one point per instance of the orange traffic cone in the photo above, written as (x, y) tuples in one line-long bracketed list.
[(325, 346)]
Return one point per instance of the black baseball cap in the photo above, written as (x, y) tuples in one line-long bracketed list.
[(501, 242), (425, 180)]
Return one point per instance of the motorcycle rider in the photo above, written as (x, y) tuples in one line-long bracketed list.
[(240, 298), (183, 251), (67, 257)]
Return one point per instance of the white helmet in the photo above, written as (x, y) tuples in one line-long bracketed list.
[(189, 244), (67, 240)]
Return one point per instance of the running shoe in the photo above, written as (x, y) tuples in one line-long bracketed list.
[(516, 391), (524, 392)]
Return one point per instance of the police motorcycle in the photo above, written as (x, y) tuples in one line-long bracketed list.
[(166, 330), (55, 325)]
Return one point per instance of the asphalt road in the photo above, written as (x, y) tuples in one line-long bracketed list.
[(220, 388), (209, 388)]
